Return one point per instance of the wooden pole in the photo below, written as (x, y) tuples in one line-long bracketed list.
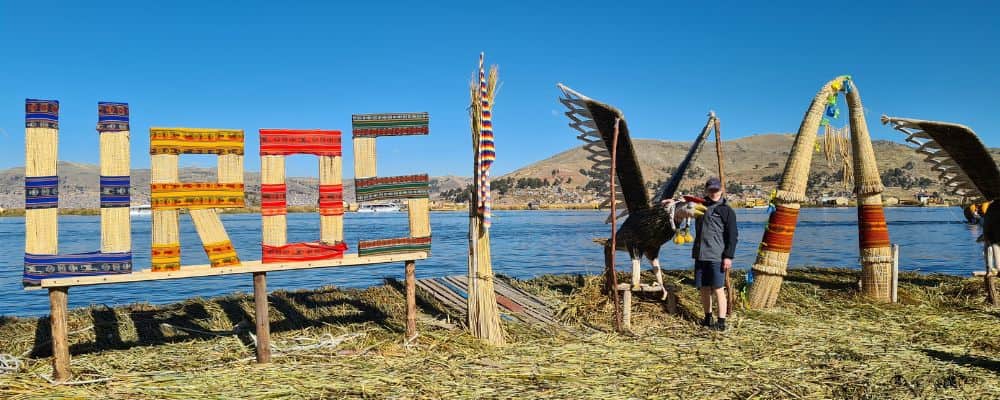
[(261, 315), (411, 300), (894, 293), (58, 301), (730, 295), (621, 319)]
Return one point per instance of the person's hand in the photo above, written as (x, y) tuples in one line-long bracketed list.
[(666, 203), (727, 264)]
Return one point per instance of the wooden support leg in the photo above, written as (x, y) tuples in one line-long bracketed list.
[(262, 317), (627, 309), (58, 301), (636, 273), (411, 299)]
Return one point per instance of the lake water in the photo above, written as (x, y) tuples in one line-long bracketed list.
[(525, 244)]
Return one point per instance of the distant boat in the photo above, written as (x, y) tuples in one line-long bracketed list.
[(143, 210), (389, 207)]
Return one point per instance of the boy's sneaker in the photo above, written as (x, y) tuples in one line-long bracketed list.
[(707, 322), (720, 326)]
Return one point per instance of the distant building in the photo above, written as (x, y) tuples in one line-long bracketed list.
[(836, 201)]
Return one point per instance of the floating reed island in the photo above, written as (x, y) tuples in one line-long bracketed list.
[(822, 339)]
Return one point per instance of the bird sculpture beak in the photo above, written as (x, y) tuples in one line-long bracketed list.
[(699, 210)]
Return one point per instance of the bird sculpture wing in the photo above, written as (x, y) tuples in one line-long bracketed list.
[(669, 189), (596, 123), (956, 152)]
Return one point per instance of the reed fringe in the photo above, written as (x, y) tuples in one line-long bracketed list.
[(866, 176)]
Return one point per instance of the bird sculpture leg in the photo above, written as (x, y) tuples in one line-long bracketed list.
[(636, 272), (659, 277)]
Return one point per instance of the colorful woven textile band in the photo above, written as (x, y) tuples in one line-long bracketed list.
[(393, 246), (283, 142), (331, 200), (272, 199), (172, 196), (112, 117), (392, 187), (390, 124), (195, 141), (115, 191), (40, 266), (166, 257), (221, 254), (313, 251), (780, 230), (41, 192), (487, 151), (41, 113), (872, 230)]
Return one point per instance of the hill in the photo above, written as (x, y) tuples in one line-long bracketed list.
[(753, 167)]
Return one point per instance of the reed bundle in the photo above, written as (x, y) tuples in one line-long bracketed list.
[(364, 157), (876, 254), (116, 224), (770, 265), (274, 227), (484, 317), (41, 230), (331, 173)]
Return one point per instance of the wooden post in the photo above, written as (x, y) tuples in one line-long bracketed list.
[(894, 291), (730, 295), (261, 315), (411, 299), (58, 301), (622, 319), (989, 279)]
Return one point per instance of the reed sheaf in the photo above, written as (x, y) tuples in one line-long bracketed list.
[(483, 316)]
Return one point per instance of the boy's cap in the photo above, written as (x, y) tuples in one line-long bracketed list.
[(713, 184)]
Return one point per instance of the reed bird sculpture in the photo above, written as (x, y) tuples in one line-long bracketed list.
[(965, 164), (650, 222)]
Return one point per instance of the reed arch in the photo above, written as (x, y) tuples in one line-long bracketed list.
[(876, 251)]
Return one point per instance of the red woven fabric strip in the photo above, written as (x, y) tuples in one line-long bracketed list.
[(331, 200), (283, 142), (872, 229), (313, 251), (780, 230), (272, 199)]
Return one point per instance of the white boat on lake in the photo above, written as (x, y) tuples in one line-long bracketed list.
[(385, 207), (143, 210)]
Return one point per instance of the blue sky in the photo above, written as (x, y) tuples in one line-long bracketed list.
[(255, 65)]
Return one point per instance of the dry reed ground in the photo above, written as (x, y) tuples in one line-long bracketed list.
[(821, 342)]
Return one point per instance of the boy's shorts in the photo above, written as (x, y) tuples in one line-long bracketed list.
[(709, 274)]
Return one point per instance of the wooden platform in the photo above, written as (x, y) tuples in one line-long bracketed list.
[(515, 304), (206, 270)]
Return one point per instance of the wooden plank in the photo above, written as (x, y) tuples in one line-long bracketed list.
[(445, 296), (58, 298), (542, 313), (434, 292), (262, 318), (244, 268), (411, 299), (525, 314)]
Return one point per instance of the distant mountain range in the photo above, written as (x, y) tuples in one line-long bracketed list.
[(78, 186), (753, 166)]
